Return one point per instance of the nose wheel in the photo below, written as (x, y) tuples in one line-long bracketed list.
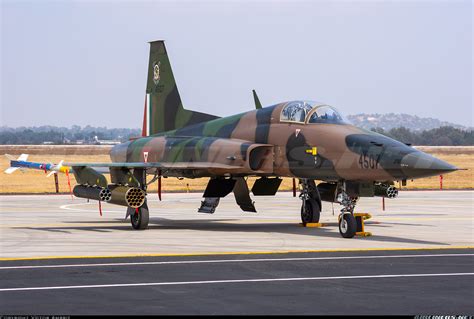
[(347, 225), (347, 221)]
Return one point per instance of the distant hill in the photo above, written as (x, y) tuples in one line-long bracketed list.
[(402, 127), (392, 120)]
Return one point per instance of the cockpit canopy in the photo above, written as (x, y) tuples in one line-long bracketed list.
[(310, 113)]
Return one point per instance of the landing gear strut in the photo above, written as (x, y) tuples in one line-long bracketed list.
[(139, 217), (347, 221), (311, 205)]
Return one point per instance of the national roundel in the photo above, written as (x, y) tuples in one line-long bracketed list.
[(156, 72)]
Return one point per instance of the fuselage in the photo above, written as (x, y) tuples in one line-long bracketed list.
[(267, 142)]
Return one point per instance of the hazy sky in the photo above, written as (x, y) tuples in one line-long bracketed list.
[(85, 62)]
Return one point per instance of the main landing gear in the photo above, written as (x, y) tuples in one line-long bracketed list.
[(139, 217), (311, 202)]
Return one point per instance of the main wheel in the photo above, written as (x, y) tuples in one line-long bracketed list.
[(140, 217), (347, 226), (310, 211)]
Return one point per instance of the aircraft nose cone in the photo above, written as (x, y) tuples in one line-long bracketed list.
[(419, 164)]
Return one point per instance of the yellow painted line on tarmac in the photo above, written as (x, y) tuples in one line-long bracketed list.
[(240, 253)]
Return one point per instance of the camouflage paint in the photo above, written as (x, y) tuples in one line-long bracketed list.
[(181, 137)]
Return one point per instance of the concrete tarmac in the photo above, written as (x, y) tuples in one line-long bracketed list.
[(56, 226)]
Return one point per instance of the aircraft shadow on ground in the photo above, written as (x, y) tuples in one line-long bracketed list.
[(233, 226)]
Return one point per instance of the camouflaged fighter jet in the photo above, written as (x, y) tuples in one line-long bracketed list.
[(305, 140)]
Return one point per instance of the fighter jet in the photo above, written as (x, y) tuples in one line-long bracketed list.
[(305, 140)]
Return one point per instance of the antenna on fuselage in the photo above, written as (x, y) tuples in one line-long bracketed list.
[(258, 105)]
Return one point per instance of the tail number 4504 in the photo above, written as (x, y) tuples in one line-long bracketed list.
[(369, 161)]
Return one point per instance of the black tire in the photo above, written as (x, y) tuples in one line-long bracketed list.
[(347, 226), (139, 220), (310, 211)]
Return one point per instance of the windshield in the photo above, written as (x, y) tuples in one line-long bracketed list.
[(296, 111), (310, 112), (325, 114)]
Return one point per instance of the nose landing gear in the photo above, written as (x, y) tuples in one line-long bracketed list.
[(347, 221), (347, 225)]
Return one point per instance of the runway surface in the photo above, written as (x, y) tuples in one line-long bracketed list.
[(392, 282), (58, 256)]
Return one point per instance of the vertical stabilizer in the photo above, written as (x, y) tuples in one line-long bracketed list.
[(163, 107)]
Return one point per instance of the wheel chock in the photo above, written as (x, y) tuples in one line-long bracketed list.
[(312, 225), (363, 234), (360, 218)]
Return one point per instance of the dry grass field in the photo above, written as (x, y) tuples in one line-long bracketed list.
[(461, 157), (37, 182)]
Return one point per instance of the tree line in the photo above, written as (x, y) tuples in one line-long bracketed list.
[(64, 135), (442, 136)]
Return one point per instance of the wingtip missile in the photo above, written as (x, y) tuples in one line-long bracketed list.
[(22, 164)]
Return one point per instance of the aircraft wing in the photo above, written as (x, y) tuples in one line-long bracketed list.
[(91, 173), (158, 165), (105, 167), (227, 158)]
